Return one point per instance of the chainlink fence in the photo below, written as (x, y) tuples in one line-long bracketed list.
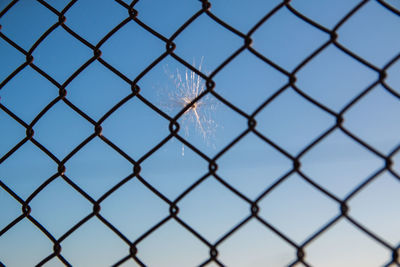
[(205, 8)]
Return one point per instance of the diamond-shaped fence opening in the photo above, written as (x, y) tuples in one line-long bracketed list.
[(163, 16), (252, 165), (138, 47), (53, 55), (26, 32), (33, 86), (276, 252), (199, 133), (100, 18), (13, 57), (334, 86), (262, 78), (385, 28), (284, 30)]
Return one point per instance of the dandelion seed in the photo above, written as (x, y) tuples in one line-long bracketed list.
[(187, 88)]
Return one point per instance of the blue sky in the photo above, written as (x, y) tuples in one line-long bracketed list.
[(337, 163)]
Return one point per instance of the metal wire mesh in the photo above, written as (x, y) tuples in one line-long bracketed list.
[(175, 133)]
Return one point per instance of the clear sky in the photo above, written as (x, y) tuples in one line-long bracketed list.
[(338, 164)]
